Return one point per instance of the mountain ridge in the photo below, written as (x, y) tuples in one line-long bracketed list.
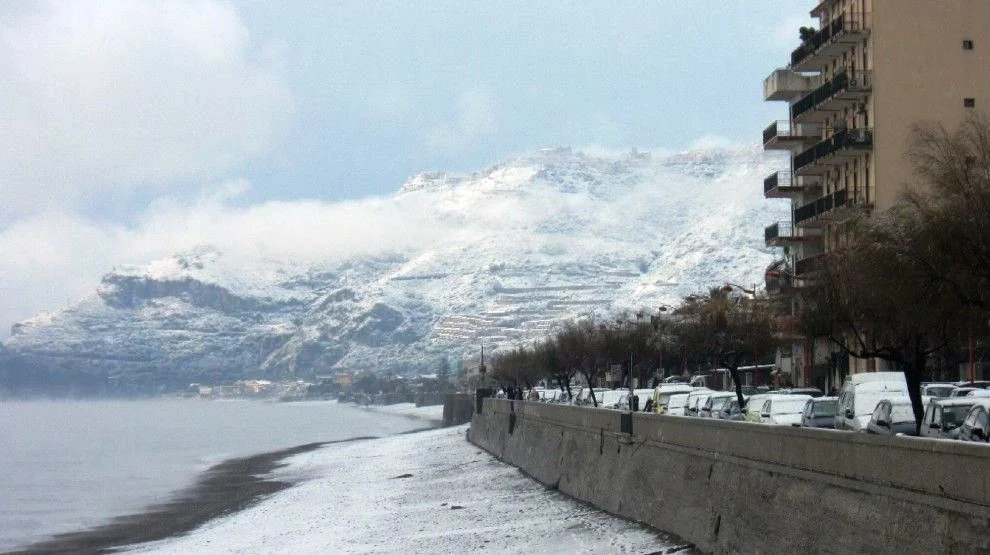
[(499, 257)]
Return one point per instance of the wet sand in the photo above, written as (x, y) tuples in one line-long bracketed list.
[(228, 487)]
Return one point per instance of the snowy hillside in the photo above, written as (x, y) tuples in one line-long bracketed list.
[(498, 257)]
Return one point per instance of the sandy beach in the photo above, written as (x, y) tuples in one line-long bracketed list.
[(426, 492)]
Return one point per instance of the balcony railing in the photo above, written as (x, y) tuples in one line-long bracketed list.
[(809, 265), (782, 131), (784, 184), (846, 139), (777, 180), (777, 231), (847, 81), (843, 25), (820, 206)]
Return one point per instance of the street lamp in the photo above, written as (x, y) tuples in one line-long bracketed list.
[(656, 322)]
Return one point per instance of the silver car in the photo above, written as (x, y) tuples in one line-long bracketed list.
[(819, 412)]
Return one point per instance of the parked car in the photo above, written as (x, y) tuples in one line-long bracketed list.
[(611, 398), (553, 396), (675, 404), (754, 404), (730, 411), (783, 409), (819, 412), (755, 389), (714, 403), (976, 425), (892, 417), (964, 391), (642, 396), (696, 399), (812, 391), (663, 392), (860, 395), (944, 416), (584, 396), (938, 390), (983, 384)]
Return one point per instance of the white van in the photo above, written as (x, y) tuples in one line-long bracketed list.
[(860, 395), (662, 393), (675, 403)]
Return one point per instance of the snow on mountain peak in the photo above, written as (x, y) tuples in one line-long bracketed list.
[(500, 256)]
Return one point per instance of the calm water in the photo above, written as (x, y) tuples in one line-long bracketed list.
[(70, 465)]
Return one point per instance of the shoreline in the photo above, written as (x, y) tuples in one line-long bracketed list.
[(227, 487)]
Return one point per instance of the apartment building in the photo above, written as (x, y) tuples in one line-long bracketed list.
[(854, 87)]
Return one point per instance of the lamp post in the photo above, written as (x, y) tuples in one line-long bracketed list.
[(656, 322)]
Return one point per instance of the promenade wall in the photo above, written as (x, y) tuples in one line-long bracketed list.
[(457, 408), (736, 487)]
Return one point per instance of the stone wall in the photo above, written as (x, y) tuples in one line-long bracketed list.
[(751, 488), (457, 408)]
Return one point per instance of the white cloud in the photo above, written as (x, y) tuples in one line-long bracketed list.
[(475, 116), (50, 260), (114, 94)]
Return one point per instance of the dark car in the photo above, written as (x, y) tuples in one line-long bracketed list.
[(730, 411), (892, 417), (819, 412), (976, 425)]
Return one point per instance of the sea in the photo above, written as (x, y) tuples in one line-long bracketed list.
[(70, 466)]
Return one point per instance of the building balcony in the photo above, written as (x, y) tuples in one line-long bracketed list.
[(779, 234), (784, 184), (846, 89), (806, 268), (781, 135), (819, 158), (830, 41), (832, 208), (784, 84)]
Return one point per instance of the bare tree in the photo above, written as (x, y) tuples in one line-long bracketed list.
[(873, 301), (732, 331), (913, 280)]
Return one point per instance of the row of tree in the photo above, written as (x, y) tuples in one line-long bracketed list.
[(721, 329)]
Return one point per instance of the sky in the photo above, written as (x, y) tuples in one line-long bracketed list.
[(129, 126)]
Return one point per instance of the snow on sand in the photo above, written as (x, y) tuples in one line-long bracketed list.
[(427, 492)]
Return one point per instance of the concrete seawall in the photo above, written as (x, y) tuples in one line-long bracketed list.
[(751, 488)]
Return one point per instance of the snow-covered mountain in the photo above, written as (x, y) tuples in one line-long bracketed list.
[(498, 257)]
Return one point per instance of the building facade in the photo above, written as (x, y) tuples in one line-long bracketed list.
[(854, 87)]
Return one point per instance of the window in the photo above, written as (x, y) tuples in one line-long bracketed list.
[(982, 420), (969, 102), (967, 45)]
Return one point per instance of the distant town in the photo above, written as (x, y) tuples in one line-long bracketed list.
[(362, 387)]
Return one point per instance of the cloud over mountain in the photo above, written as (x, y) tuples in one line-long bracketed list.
[(499, 256)]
